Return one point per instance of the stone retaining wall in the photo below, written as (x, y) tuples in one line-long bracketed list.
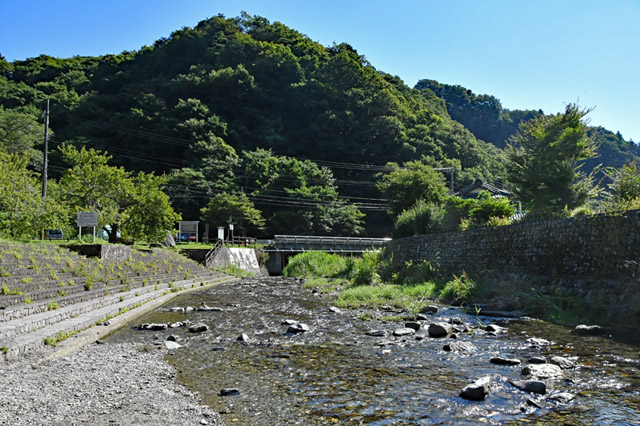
[(603, 246)]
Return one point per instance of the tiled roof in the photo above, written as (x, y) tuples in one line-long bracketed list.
[(482, 186)]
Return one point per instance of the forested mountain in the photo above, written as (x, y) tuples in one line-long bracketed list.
[(239, 106), (485, 117)]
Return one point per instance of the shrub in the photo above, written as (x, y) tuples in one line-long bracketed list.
[(458, 290), (315, 263), (421, 218)]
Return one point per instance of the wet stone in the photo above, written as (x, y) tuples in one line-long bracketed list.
[(562, 362), (538, 342), (243, 338), (412, 324), (377, 333), (542, 371), (537, 360), (153, 327), (588, 330), (198, 328), (495, 328), (534, 386), (561, 397), (298, 328), (478, 390), (459, 347), (172, 345), (504, 361), (439, 329), (229, 391), (404, 331), (429, 309)]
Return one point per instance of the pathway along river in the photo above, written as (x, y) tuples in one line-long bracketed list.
[(336, 373)]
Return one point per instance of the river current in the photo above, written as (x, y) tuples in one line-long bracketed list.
[(337, 373)]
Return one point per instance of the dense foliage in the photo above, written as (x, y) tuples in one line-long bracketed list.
[(249, 108), (543, 163), (191, 103)]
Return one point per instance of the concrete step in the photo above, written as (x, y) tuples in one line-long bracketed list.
[(23, 335)]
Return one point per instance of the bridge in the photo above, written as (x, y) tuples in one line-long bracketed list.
[(283, 246)]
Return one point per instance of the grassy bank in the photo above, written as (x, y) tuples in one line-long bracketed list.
[(368, 282), (371, 281)]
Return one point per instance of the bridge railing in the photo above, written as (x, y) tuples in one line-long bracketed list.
[(300, 243)]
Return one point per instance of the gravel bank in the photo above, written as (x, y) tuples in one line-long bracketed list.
[(108, 384)]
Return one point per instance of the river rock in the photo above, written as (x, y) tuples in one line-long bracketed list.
[(588, 330), (439, 329), (412, 324), (429, 309), (153, 327), (403, 331), (335, 310), (205, 308), (562, 397), (177, 309), (534, 386), (175, 324), (455, 321), (290, 322), (562, 362), (478, 390), (504, 361), (298, 328), (189, 309), (173, 338), (229, 391), (198, 328), (459, 347), (243, 338), (171, 344), (377, 333), (537, 360), (542, 371), (495, 328), (538, 342), (421, 317)]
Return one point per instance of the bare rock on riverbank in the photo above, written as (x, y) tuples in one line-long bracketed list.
[(99, 385)]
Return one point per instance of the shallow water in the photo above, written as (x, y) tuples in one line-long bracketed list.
[(336, 374)]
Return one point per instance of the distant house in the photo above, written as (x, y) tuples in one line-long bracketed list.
[(472, 191)]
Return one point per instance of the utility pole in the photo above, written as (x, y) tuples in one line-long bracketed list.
[(46, 150)]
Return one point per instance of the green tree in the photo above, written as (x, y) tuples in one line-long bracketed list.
[(543, 163), (20, 132), (298, 196), (23, 212), (151, 216), (624, 189), (134, 204), (239, 208), (404, 186)]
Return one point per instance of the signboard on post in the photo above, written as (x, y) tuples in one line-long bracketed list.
[(87, 219)]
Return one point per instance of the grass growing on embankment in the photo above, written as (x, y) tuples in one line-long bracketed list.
[(358, 281), (371, 282)]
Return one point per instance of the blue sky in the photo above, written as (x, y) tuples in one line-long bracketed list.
[(529, 54)]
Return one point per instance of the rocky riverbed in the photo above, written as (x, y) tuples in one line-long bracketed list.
[(270, 352), (101, 384)]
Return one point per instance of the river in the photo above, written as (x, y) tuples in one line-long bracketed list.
[(336, 373)]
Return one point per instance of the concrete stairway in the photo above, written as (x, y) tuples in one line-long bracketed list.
[(49, 293)]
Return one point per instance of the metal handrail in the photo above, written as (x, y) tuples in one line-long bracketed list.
[(212, 253)]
